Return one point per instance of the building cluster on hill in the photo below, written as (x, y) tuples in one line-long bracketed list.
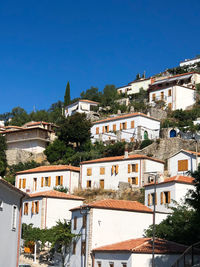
[(107, 232)]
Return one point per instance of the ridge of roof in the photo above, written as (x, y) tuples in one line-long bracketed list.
[(187, 151), (51, 168), (55, 194), (119, 158), (115, 204), (144, 245), (176, 179), (129, 115)]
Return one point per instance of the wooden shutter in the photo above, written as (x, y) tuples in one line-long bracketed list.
[(129, 180), (37, 207), (129, 168), (116, 169), (42, 181), (132, 139), (170, 106), (154, 97), (103, 129), (149, 199), (121, 126), (56, 180), (20, 183), (114, 127), (125, 126), (75, 223), (113, 169), (183, 165), (162, 95), (49, 181), (102, 170), (136, 167), (161, 198), (89, 171), (107, 128), (102, 184), (32, 208), (97, 130), (84, 221), (155, 198), (132, 124), (136, 180), (169, 92), (169, 197), (24, 183), (61, 180)]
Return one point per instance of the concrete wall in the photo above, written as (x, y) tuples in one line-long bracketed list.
[(184, 97), (8, 236), (70, 180), (134, 87)]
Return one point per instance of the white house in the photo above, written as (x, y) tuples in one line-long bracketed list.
[(182, 162), (44, 209), (108, 172), (106, 221), (173, 188), (45, 178), (137, 253), (178, 92), (135, 86), (10, 223), (81, 106), (129, 127), (188, 62)]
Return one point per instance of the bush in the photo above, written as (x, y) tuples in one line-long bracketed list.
[(145, 143)]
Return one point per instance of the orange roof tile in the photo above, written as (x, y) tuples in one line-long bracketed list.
[(144, 245), (55, 194), (89, 101), (192, 152), (176, 179), (119, 158), (51, 168), (125, 116), (115, 204)]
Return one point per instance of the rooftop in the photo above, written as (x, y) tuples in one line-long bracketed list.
[(51, 168), (130, 115), (114, 204), (119, 158), (177, 179), (187, 151), (55, 194), (144, 245)]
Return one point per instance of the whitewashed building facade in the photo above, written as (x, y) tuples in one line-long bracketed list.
[(177, 92), (135, 86), (137, 253), (183, 162), (100, 223), (169, 190), (108, 172), (129, 127), (44, 209), (81, 106), (45, 178)]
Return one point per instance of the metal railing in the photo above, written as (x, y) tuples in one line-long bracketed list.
[(190, 258)]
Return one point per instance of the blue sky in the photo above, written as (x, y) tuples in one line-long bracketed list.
[(43, 44)]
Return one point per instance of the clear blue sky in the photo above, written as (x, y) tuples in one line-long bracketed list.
[(45, 43)]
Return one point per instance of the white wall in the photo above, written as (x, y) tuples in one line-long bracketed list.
[(184, 97), (80, 106), (34, 219), (70, 180), (34, 146), (134, 87), (173, 163), (189, 62), (117, 258)]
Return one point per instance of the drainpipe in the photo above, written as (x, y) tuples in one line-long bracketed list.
[(19, 231)]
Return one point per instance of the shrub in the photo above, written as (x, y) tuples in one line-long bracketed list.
[(145, 143)]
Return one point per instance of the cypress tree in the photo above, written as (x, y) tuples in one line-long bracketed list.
[(67, 95)]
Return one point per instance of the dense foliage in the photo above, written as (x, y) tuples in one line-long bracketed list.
[(67, 98), (3, 161)]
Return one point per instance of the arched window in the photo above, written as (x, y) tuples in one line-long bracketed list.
[(172, 133), (146, 137)]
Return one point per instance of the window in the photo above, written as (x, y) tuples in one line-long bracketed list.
[(107, 128), (26, 208), (14, 218), (111, 264), (114, 128), (75, 223), (89, 171), (152, 198), (123, 126), (170, 106), (101, 183), (84, 221), (98, 264), (167, 197), (59, 180), (24, 183), (1, 204), (35, 184), (154, 97), (124, 264), (74, 248), (97, 130), (46, 181), (169, 92), (83, 245), (35, 207), (162, 96), (102, 170), (89, 183), (132, 168), (132, 124), (115, 169), (183, 165), (133, 180)]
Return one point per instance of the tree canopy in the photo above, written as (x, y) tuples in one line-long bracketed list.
[(67, 97)]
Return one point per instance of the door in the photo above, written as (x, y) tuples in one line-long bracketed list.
[(102, 184)]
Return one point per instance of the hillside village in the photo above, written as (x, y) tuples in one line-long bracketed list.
[(112, 167)]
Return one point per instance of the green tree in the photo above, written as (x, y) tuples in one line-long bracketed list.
[(92, 94), (56, 151), (67, 95), (109, 95), (19, 116)]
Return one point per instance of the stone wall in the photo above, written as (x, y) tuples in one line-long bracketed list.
[(14, 156)]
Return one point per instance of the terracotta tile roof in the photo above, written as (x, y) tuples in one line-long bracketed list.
[(22, 129), (55, 194), (89, 101), (192, 152), (144, 245), (119, 158), (176, 179), (115, 204), (51, 168), (12, 187), (130, 115)]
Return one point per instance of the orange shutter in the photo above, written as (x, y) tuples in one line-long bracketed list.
[(132, 124), (132, 139), (103, 129), (89, 171), (24, 183), (97, 130), (61, 180), (154, 97), (156, 199), (169, 197), (129, 168), (49, 181), (149, 201), (183, 165), (116, 169), (56, 180), (161, 198), (114, 127), (136, 180), (32, 209), (129, 180), (42, 181), (136, 167), (125, 126), (20, 183), (102, 170), (37, 207), (121, 126), (169, 92), (113, 169), (107, 128)]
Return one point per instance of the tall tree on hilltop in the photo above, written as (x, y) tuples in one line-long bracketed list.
[(67, 95)]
